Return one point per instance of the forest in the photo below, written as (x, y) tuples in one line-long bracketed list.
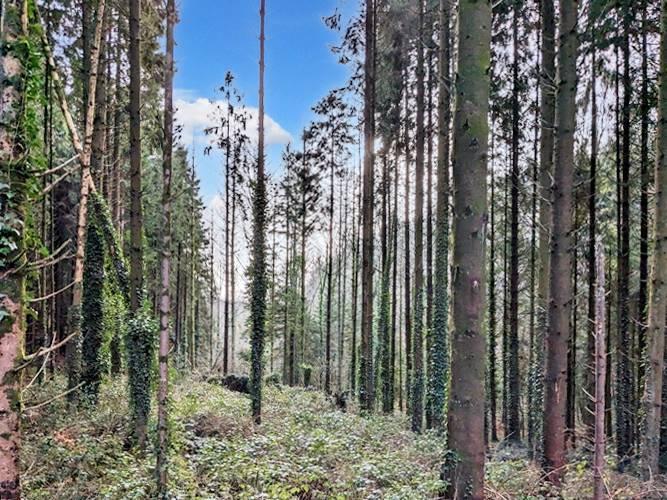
[(450, 283)]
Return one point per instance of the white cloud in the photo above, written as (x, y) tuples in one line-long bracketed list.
[(195, 115)]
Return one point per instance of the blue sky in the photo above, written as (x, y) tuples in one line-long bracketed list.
[(214, 36)]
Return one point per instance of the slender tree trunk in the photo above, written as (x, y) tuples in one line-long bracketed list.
[(465, 421), (624, 391), (228, 261), (560, 283), (258, 285), (588, 413), (418, 340), (643, 210), (366, 384), (355, 290), (492, 322), (599, 491), (327, 367), (165, 259), (407, 290), (653, 389), (547, 110), (513, 424), (136, 211)]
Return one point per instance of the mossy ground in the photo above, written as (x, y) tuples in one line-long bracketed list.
[(305, 448)]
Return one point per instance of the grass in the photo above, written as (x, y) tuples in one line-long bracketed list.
[(305, 449)]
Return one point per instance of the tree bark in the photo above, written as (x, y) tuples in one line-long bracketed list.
[(471, 129), (657, 303), (165, 258), (366, 384), (600, 378), (15, 174), (560, 283)]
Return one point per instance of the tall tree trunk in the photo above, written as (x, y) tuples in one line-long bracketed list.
[(465, 420), (513, 424), (74, 316), (258, 290), (439, 366), (491, 374), (547, 110), (228, 261), (165, 258), (418, 340), (407, 290), (429, 228), (588, 414), (624, 391), (643, 209), (560, 283), (136, 210), (366, 383), (355, 289), (600, 378), (657, 304), (14, 174), (327, 367)]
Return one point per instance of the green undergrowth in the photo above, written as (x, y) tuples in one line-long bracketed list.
[(304, 449)]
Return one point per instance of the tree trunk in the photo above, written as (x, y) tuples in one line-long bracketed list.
[(418, 340), (513, 424), (599, 491), (165, 258), (560, 283), (466, 404), (439, 366), (588, 414), (407, 290), (624, 387), (258, 284), (366, 384), (14, 174), (653, 389), (547, 109)]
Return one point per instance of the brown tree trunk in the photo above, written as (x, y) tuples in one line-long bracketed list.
[(418, 320), (588, 414), (14, 174), (653, 389), (513, 432), (560, 283), (471, 129), (165, 259), (366, 384)]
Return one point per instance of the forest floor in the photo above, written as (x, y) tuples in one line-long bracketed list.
[(305, 448)]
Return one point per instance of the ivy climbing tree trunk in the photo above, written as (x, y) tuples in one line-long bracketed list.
[(258, 281), (560, 282), (418, 318), (438, 371), (657, 304), (14, 175), (465, 419)]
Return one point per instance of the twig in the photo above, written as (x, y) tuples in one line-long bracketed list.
[(53, 294), (28, 358), (51, 400), (58, 168), (50, 187), (41, 369)]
